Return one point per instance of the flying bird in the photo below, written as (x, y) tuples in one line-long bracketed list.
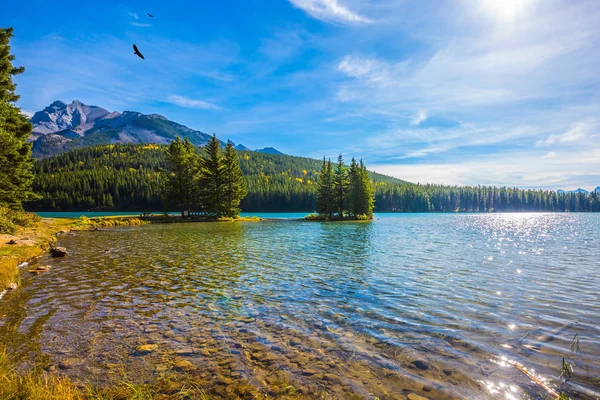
[(137, 52), (150, 15)]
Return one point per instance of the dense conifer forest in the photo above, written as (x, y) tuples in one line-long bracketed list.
[(132, 178)]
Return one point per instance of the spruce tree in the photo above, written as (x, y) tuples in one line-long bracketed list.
[(340, 185), (365, 192), (235, 185), (16, 164), (213, 178), (325, 190), (354, 181), (183, 167)]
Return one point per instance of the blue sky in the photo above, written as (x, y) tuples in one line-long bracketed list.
[(491, 92)]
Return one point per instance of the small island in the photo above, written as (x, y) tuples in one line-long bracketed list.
[(344, 194)]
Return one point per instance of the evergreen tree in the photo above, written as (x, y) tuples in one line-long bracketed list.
[(181, 186), (16, 165), (235, 185), (325, 200), (354, 180), (366, 195), (213, 179), (340, 186)]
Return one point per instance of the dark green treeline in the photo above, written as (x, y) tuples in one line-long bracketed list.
[(131, 177), (345, 192)]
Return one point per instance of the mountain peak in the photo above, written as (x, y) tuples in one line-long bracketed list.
[(268, 150), (61, 127), (57, 103), (241, 147), (579, 190)]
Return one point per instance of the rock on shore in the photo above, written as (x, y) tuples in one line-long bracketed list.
[(58, 251)]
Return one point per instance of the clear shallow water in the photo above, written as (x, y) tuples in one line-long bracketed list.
[(409, 303)]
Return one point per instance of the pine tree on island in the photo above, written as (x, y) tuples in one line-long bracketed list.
[(340, 185), (325, 203), (183, 165), (212, 179), (235, 185), (346, 193), (211, 183)]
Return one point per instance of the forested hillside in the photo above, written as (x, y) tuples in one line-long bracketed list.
[(131, 177)]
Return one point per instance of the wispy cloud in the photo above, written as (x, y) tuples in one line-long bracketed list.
[(134, 15), (27, 113), (192, 103), (579, 132), (521, 169), (139, 24), (330, 11), (418, 118)]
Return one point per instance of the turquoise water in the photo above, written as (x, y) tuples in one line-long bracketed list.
[(439, 305)]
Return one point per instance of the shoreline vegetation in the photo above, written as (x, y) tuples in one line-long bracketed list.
[(173, 384)]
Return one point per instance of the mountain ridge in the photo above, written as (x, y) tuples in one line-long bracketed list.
[(62, 127), (578, 190)]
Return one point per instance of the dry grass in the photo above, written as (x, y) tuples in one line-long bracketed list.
[(40, 385), (14, 385)]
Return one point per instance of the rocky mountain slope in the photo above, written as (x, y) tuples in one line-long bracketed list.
[(62, 127)]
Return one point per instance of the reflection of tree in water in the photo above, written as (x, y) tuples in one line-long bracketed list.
[(345, 246)]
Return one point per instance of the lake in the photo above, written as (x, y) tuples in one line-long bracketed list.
[(436, 305)]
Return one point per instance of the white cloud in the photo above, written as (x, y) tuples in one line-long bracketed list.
[(191, 103), (330, 11), (139, 25), (419, 117), (27, 113), (578, 133), (134, 15), (549, 154), (509, 169)]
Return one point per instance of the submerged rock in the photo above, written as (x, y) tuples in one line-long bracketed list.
[(58, 251), (146, 348), (184, 365), (70, 363), (52, 369), (40, 269), (421, 364), (332, 378), (414, 396)]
